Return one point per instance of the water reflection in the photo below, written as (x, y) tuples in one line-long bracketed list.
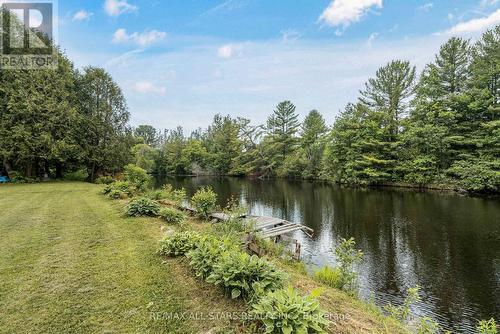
[(447, 244)]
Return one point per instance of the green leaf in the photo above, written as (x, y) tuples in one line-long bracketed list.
[(235, 293)]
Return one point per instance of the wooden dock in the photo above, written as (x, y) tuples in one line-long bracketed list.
[(270, 227), (266, 227)]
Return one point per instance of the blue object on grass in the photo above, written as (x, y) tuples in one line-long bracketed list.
[(4, 179)]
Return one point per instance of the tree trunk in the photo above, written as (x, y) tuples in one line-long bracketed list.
[(59, 170), (92, 170), (7, 168)]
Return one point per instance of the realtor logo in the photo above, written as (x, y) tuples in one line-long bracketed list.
[(28, 35)]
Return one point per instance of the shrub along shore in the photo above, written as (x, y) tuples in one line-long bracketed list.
[(279, 295)]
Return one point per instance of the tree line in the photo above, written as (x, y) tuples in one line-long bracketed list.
[(439, 128)]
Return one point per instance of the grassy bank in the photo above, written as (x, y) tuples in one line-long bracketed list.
[(70, 261)]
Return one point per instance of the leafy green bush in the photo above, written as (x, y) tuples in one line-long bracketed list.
[(477, 175), (286, 311), (116, 194), (104, 180), (79, 175), (143, 207), (118, 190), (155, 195), (178, 196), (428, 326), (348, 256), (487, 327), (107, 189), (137, 176), (402, 312), (234, 225), (172, 216), (331, 277), (179, 243), (204, 202), (208, 252), (246, 276), (16, 177)]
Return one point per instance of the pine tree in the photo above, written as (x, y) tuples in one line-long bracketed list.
[(312, 143), (389, 92), (282, 127)]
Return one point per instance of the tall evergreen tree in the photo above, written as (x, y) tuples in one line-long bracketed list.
[(389, 92), (282, 128), (148, 134), (222, 144), (312, 143)]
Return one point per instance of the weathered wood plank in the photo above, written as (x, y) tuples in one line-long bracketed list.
[(272, 233)]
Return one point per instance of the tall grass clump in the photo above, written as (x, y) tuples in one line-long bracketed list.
[(329, 276)]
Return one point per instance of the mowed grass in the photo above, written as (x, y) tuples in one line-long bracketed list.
[(70, 262)]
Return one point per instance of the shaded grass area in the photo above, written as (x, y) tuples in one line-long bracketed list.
[(70, 262)]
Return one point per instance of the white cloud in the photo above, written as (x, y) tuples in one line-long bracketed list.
[(225, 51), (476, 25), (345, 12), (147, 87), (142, 39), (117, 7), (323, 75), (290, 35), (427, 7), (450, 16), (373, 37), (226, 7), (82, 15)]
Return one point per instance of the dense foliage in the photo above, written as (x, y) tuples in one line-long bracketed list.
[(286, 311), (204, 201), (440, 128), (143, 206), (179, 243), (208, 252), (172, 216), (242, 275)]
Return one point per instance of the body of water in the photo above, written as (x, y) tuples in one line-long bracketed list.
[(447, 244)]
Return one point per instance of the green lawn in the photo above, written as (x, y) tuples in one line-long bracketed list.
[(70, 262)]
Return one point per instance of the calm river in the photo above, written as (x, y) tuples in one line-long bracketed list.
[(447, 244)]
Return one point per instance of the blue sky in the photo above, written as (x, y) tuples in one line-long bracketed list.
[(179, 62)]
